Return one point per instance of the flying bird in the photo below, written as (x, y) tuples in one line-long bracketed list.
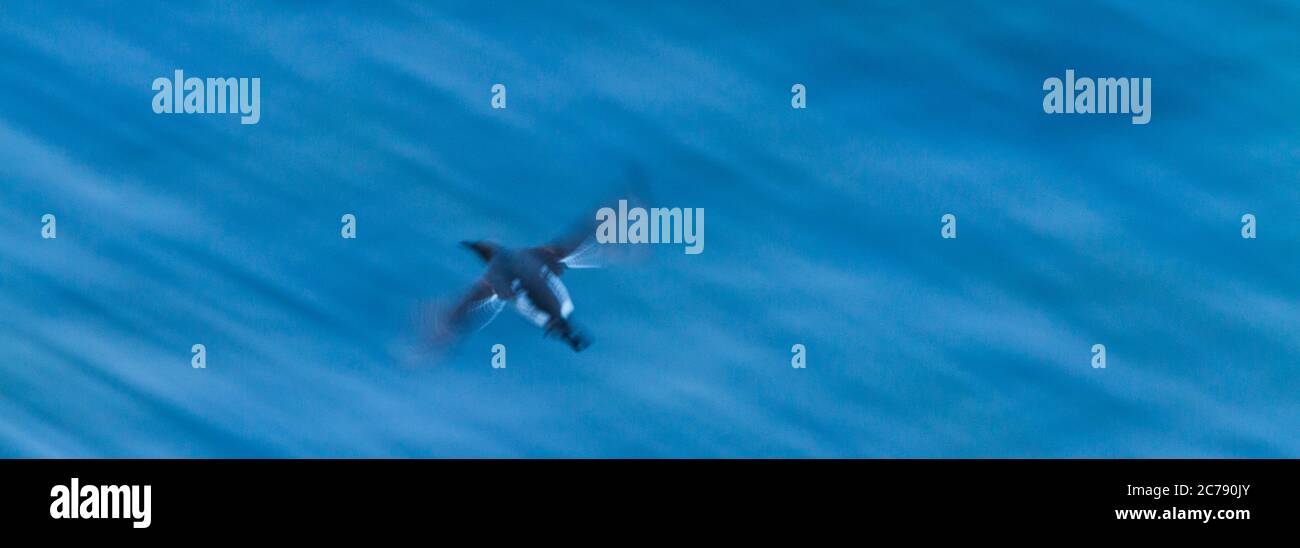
[(528, 279)]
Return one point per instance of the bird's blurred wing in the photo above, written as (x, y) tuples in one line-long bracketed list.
[(476, 309), (578, 247), (571, 252), (584, 256)]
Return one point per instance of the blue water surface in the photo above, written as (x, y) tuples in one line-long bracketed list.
[(822, 229)]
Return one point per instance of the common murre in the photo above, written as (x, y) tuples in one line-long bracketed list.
[(530, 279)]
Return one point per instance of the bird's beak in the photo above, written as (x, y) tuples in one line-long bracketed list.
[(482, 249)]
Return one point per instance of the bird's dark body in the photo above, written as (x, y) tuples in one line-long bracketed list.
[(514, 271)]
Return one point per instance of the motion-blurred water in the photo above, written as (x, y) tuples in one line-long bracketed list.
[(822, 229)]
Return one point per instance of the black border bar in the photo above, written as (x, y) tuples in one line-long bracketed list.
[(1013, 496)]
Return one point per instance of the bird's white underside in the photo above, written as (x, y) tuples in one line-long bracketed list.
[(525, 307)]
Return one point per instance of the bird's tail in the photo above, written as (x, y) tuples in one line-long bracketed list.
[(567, 333)]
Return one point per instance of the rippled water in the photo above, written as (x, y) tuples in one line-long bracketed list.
[(822, 230)]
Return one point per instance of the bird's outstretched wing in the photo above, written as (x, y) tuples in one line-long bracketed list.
[(476, 309), (574, 250), (578, 247)]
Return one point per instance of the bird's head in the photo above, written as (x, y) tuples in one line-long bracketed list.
[(485, 249)]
